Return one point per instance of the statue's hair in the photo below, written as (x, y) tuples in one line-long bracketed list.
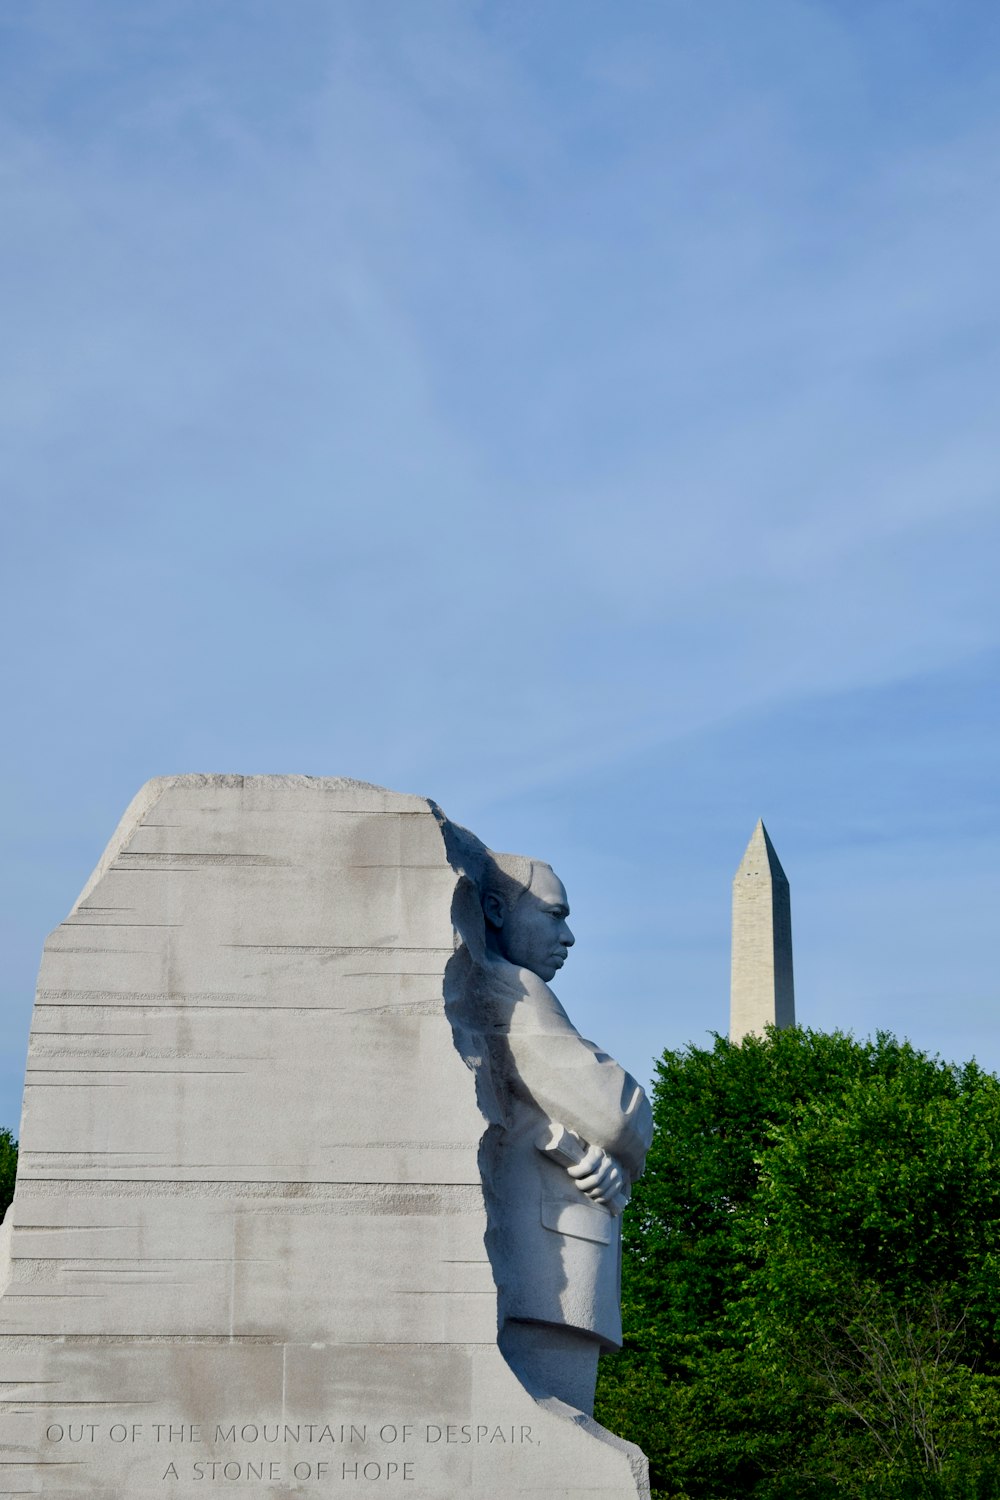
[(506, 876)]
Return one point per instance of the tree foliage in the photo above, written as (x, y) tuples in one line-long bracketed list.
[(8, 1169), (810, 1275)]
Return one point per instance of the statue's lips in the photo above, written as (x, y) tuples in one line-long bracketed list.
[(560, 958)]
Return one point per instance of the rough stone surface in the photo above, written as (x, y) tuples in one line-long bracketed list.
[(246, 1253), (763, 989)]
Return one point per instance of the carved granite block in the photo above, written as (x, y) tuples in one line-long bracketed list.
[(257, 1244)]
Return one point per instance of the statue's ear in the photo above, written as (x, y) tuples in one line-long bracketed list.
[(493, 909)]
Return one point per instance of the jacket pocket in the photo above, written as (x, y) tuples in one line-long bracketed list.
[(584, 1221)]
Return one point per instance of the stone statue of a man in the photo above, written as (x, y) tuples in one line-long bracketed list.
[(569, 1134)]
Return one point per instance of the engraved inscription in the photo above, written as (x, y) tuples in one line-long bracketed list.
[(290, 1437)]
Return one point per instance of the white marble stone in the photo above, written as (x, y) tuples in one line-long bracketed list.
[(763, 989), (246, 1252)]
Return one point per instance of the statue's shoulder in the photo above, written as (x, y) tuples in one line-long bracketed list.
[(533, 1006)]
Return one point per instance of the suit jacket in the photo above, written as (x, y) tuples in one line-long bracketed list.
[(556, 1255)]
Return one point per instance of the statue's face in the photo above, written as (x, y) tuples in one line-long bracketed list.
[(535, 934)]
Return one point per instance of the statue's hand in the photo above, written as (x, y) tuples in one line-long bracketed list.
[(599, 1176)]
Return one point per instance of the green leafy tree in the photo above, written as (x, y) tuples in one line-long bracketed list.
[(8, 1169), (810, 1286)]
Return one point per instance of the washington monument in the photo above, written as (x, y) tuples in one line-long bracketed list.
[(762, 990)]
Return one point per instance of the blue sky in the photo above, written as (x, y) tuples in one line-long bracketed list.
[(583, 414)]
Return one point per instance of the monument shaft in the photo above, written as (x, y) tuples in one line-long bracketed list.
[(763, 989)]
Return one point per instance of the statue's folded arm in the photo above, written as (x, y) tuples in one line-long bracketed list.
[(571, 1081)]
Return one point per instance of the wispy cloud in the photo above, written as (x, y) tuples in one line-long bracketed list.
[(493, 403)]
